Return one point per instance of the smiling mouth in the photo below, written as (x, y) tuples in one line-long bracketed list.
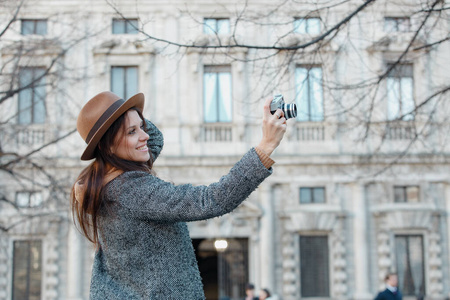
[(142, 148)]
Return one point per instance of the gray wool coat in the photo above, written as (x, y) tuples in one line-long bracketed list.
[(145, 248)]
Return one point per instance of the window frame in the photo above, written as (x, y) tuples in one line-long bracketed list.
[(208, 29), (397, 22), (396, 90), (30, 201), (125, 94), (125, 23), (307, 25), (34, 84), (217, 70), (423, 260), (313, 89), (311, 196), (405, 193), (28, 274), (326, 270), (35, 23)]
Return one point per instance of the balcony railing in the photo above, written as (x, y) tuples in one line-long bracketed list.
[(400, 131), (308, 132), (27, 136), (14, 138), (216, 132)]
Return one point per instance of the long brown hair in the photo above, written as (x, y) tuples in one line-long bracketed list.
[(85, 210)]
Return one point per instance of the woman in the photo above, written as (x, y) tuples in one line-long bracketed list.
[(136, 220), (264, 294)]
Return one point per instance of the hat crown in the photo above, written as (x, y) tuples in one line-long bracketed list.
[(93, 110)]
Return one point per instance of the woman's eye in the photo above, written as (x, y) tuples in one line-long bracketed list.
[(132, 131)]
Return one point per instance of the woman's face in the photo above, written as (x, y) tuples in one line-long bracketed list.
[(131, 143), (262, 295)]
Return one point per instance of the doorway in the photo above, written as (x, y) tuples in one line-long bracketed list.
[(223, 267)]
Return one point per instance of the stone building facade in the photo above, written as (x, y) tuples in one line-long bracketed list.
[(361, 184)]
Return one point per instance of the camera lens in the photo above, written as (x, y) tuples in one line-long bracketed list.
[(289, 110)]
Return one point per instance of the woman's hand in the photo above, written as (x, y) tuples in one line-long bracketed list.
[(273, 127)]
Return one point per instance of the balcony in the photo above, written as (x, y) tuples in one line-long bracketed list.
[(215, 132), (17, 138), (308, 132), (28, 136), (400, 131)]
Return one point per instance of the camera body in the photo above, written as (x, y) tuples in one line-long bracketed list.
[(289, 110)]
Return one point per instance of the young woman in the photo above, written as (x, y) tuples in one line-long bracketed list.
[(264, 294), (136, 220)]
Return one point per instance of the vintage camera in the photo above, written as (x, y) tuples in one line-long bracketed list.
[(289, 110)]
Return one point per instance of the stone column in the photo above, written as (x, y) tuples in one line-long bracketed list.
[(4, 272), (253, 253), (360, 244), (267, 251), (51, 260), (447, 205), (75, 261)]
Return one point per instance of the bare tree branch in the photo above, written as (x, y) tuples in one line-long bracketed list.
[(13, 19), (432, 44), (37, 150), (247, 46)]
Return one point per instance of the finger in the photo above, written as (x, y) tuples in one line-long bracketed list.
[(279, 113), (281, 120), (267, 107)]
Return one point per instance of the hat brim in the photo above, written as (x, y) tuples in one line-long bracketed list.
[(137, 101)]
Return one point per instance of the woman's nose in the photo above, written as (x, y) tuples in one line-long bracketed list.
[(144, 136)]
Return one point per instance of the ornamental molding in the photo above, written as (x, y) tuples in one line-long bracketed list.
[(407, 219), (396, 42), (317, 221), (243, 221), (33, 47), (216, 44), (123, 47)]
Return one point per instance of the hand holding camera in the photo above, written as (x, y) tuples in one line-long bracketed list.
[(289, 110), (274, 122)]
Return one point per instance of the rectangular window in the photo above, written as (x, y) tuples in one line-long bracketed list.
[(307, 26), (124, 81), (27, 270), (28, 199), (217, 102), (125, 26), (408, 194), (37, 26), (309, 93), (312, 195), (314, 266), (409, 256), (216, 26), (32, 94), (400, 93), (397, 24)]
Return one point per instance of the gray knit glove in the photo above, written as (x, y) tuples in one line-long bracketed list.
[(156, 140)]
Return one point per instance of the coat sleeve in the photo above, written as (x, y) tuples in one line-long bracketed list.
[(156, 139), (145, 196)]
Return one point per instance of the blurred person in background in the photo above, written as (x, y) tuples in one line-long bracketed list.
[(391, 292)]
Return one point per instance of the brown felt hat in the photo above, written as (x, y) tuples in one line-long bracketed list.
[(99, 113)]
